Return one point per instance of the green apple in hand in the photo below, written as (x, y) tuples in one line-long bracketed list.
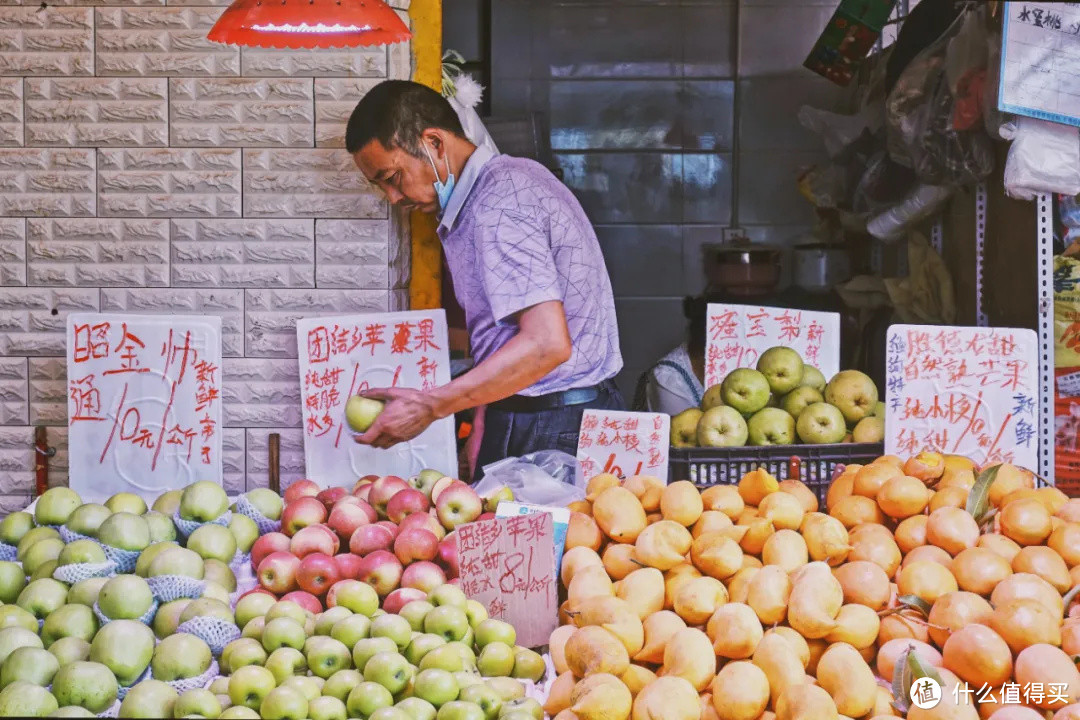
[(360, 412)]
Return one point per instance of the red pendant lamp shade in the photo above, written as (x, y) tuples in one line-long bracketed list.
[(309, 24)]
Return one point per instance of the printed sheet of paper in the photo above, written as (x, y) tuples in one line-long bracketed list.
[(624, 443), (963, 390), (1040, 61), (737, 335), (343, 356), (144, 403), (508, 565)]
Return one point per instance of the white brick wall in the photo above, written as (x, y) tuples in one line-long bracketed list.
[(146, 169)]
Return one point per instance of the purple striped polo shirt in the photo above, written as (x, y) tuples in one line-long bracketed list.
[(515, 237)]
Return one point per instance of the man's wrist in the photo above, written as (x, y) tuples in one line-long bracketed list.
[(443, 400)]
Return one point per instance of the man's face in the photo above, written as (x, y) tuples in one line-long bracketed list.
[(407, 181)]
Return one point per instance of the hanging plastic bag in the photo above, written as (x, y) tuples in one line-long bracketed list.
[(546, 477), (1044, 157), (839, 131), (921, 203)]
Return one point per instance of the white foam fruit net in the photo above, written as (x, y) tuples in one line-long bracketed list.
[(199, 681), (215, 632), (265, 524), (186, 527), (8, 552), (77, 572), (70, 536), (167, 588), (125, 559), (146, 618), (122, 691)]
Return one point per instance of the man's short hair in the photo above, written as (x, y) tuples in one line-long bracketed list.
[(396, 113)]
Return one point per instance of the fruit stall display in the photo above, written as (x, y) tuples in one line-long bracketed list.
[(321, 604), (756, 602), (782, 402)]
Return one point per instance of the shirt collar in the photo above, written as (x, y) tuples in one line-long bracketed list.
[(464, 186)]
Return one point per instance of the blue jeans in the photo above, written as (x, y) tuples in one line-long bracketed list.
[(513, 434)]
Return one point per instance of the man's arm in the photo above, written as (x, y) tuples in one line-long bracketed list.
[(541, 344)]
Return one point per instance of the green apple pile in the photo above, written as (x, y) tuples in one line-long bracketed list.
[(783, 402), (439, 658)]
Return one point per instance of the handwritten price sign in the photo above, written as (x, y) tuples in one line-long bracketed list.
[(737, 335), (624, 443), (963, 390), (144, 403), (343, 356), (508, 565)]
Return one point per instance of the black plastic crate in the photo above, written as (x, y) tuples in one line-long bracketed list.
[(812, 464)]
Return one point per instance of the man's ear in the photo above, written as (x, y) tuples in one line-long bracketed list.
[(434, 138)]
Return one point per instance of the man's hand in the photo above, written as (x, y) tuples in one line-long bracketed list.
[(407, 414)]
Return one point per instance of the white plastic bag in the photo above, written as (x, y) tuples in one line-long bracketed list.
[(475, 130), (920, 203), (546, 477), (1044, 157)]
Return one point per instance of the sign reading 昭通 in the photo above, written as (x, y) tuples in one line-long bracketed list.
[(969, 391), (737, 335), (144, 403), (344, 356), (624, 443), (508, 565)]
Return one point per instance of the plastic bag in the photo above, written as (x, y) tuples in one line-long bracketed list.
[(920, 203), (546, 477), (839, 131), (1044, 157)]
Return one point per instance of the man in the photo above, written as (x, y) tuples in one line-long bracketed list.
[(526, 268)]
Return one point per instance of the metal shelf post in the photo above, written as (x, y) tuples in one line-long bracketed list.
[(1045, 208)]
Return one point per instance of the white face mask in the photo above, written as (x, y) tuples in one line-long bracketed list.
[(443, 189)]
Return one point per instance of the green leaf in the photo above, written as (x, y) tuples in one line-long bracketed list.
[(901, 683), (920, 669), (1069, 597), (978, 502), (915, 603)]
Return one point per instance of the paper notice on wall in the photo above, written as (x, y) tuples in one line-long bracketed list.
[(144, 403), (737, 335), (624, 443), (966, 391), (1040, 61), (344, 356)]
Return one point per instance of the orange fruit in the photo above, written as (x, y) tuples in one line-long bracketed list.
[(952, 530), (911, 533), (1065, 541), (1070, 511), (904, 625), (874, 543), (804, 494), (1009, 478), (901, 497), (927, 579), (979, 570), (999, 544), (978, 655), (1022, 623), (956, 610), (949, 497), (583, 532), (928, 552), (1025, 586), (841, 487), (864, 583), (1048, 665), (1026, 521), (856, 509), (926, 466), (890, 652), (1045, 563), (870, 479)]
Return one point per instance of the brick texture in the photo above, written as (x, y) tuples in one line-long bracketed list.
[(145, 169)]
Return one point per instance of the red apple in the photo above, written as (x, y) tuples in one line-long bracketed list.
[(457, 505), (348, 565), (383, 489), (400, 598), (486, 516), (423, 575), (440, 485), (344, 519), (256, 589), (448, 555), (362, 492), (300, 513), (426, 521), (317, 573), (369, 538), (365, 480), (268, 543), (277, 572), (299, 489), (313, 539), (392, 527), (305, 600), (406, 502), (415, 544), (329, 496), (382, 571)]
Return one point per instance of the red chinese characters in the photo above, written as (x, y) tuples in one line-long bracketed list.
[(87, 399)]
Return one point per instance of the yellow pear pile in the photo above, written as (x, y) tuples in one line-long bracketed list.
[(752, 602)]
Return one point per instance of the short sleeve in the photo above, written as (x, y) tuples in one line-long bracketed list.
[(515, 250)]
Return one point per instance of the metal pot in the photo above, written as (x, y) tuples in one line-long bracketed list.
[(743, 269), (819, 267)]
